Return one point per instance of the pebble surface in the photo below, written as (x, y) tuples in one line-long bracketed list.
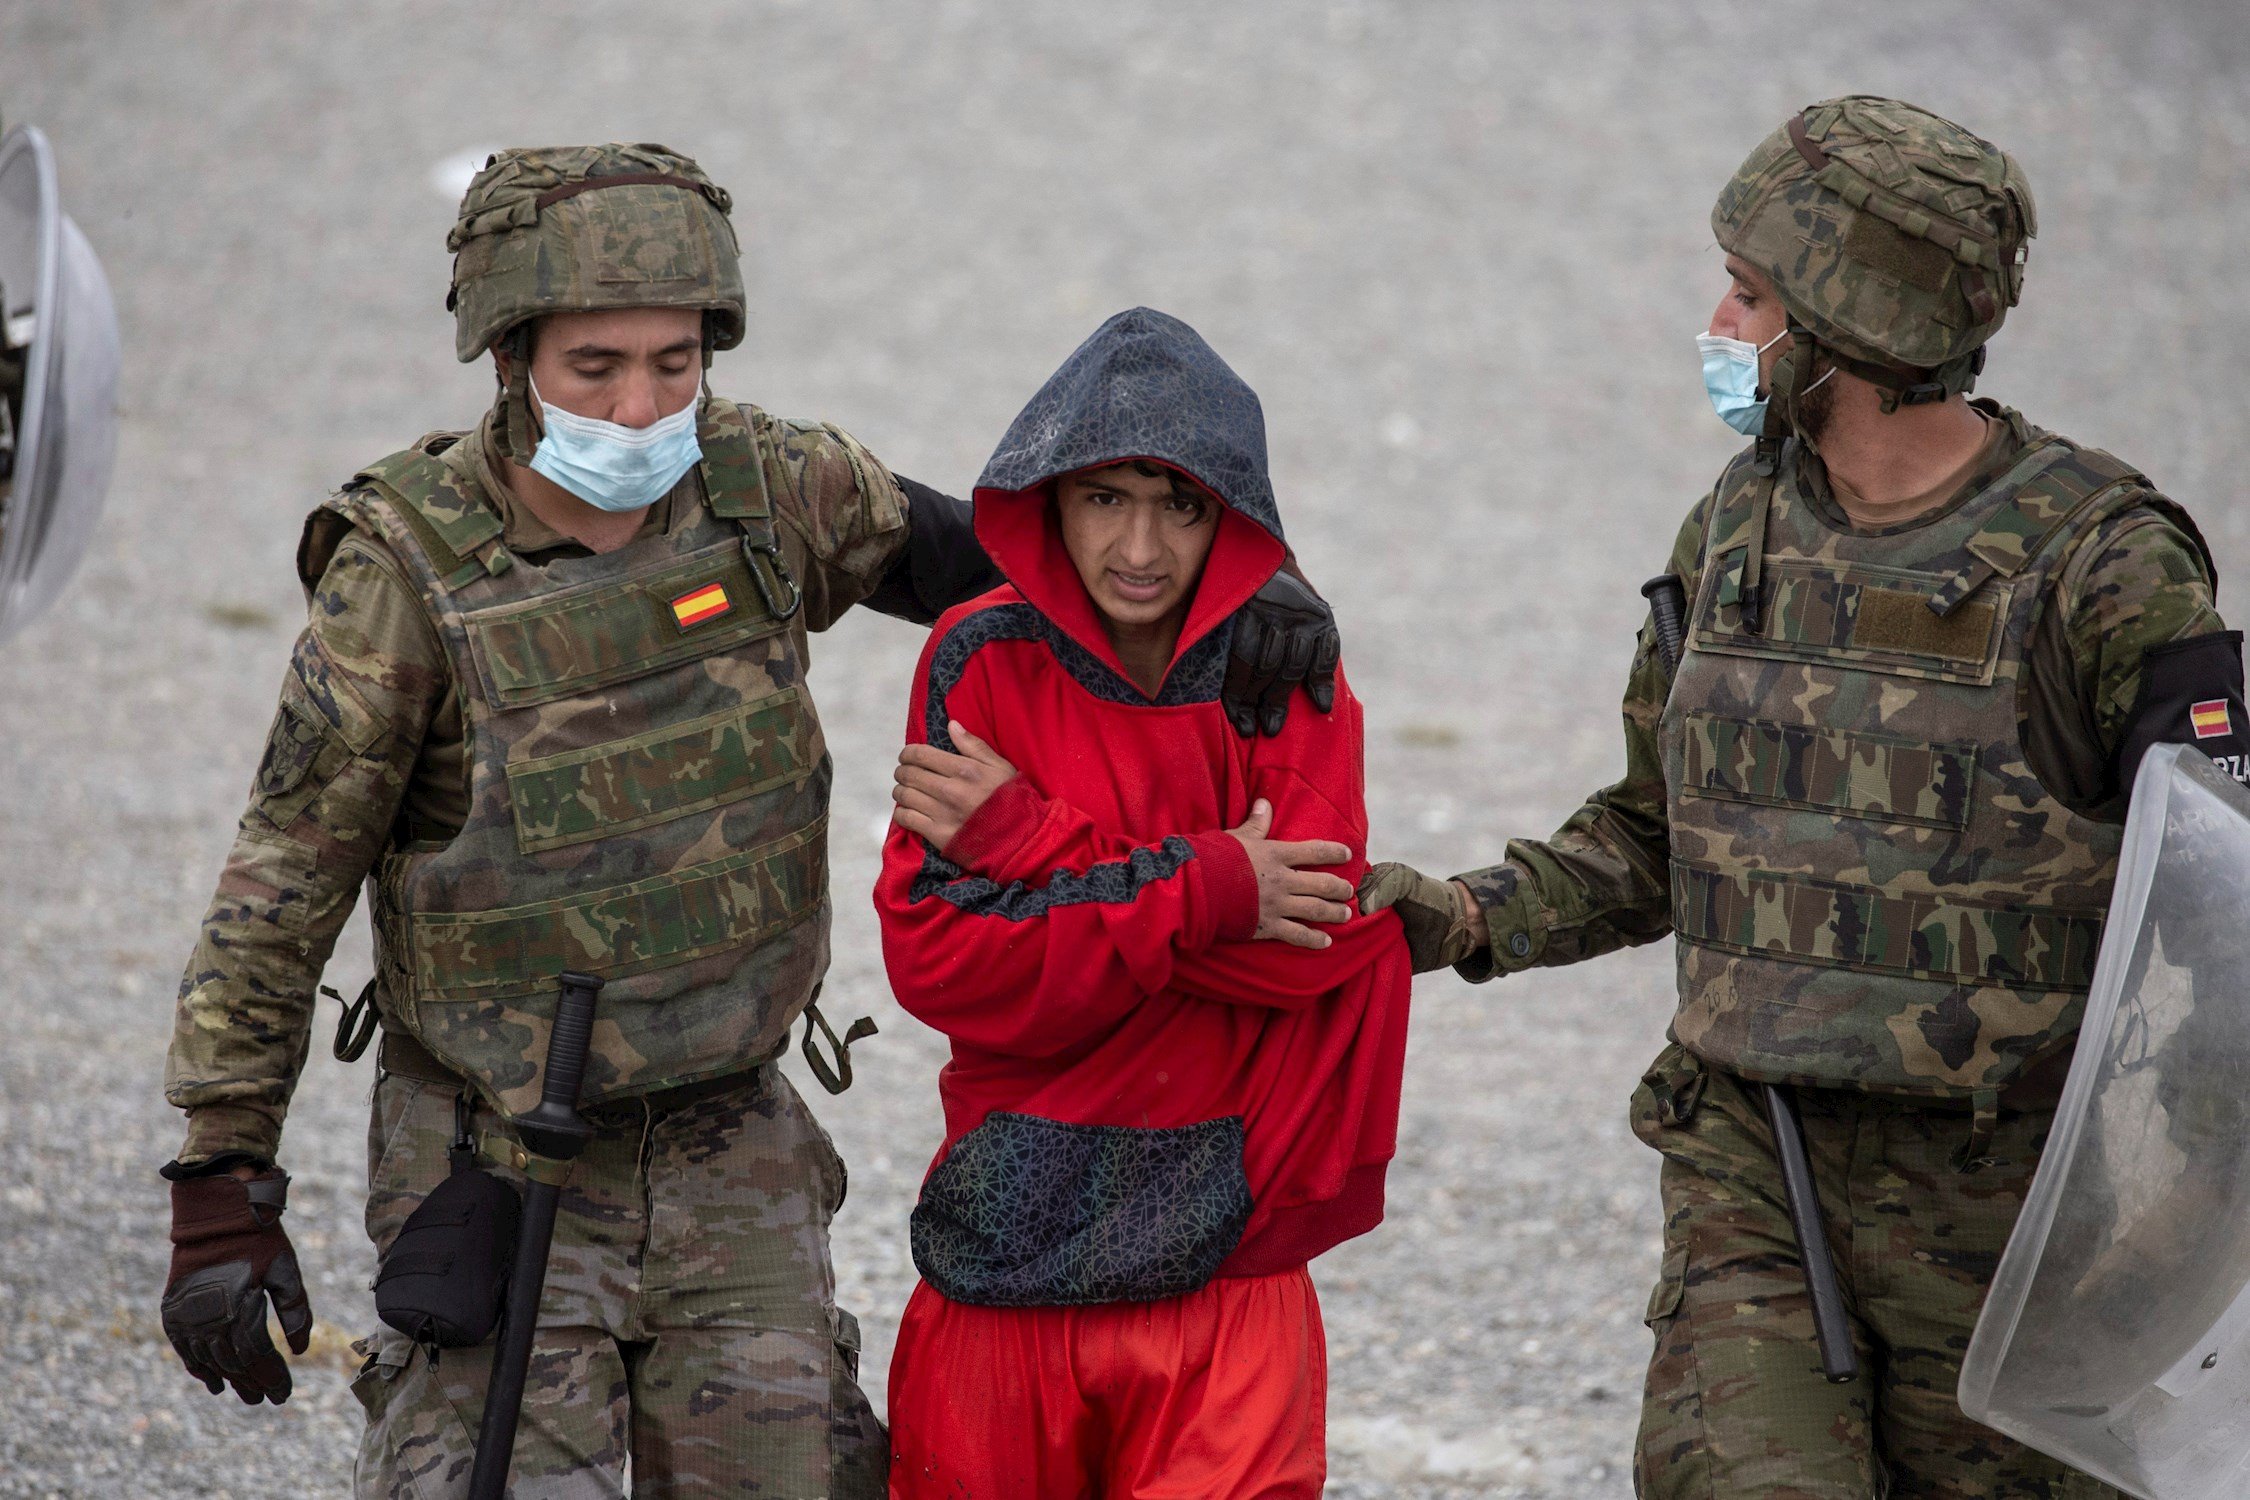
[(1458, 248)]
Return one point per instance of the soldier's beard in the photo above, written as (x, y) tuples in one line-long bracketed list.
[(1814, 409)]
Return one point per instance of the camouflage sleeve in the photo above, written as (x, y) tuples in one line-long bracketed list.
[(2138, 582), (357, 697), (1603, 882), (841, 515)]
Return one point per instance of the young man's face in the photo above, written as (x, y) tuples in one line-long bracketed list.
[(1138, 533), (629, 365)]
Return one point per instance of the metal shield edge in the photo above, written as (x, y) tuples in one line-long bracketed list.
[(66, 440), (2116, 1334)]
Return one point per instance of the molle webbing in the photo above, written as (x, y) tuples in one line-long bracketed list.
[(1866, 928), (651, 924), (581, 640), (1853, 772)]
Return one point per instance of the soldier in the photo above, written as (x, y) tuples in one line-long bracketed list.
[(551, 707), (1878, 804)]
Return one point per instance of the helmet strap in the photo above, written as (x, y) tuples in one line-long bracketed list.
[(513, 410), (1906, 386)]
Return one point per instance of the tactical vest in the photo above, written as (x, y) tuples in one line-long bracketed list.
[(648, 786), (1870, 887)]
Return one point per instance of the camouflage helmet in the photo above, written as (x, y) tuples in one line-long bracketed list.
[(1895, 238), (577, 228)]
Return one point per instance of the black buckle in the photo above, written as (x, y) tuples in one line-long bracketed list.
[(839, 1078), (355, 1028)]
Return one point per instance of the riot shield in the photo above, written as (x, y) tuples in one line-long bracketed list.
[(2117, 1333), (58, 384)]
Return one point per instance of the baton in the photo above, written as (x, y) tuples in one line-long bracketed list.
[(1667, 603), (553, 1131), (1838, 1361)]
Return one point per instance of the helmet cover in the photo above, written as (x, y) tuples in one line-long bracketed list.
[(585, 228), (1893, 235)]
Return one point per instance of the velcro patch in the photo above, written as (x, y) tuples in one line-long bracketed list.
[(2210, 719), (1895, 620)]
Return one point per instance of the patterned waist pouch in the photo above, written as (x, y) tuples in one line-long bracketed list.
[(1031, 1212)]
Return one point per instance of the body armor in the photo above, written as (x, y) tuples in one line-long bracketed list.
[(1871, 887), (648, 785)]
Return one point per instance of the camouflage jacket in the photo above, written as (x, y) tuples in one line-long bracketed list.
[(330, 798), (1602, 881)]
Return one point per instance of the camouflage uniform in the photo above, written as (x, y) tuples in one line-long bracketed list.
[(538, 758), (1878, 806)]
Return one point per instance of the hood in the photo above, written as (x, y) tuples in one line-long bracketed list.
[(1145, 385)]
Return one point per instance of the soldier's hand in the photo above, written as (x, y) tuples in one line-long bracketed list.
[(230, 1255), (1290, 895), (1443, 924), (1285, 635), (937, 793)]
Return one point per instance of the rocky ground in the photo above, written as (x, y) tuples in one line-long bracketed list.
[(1459, 249)]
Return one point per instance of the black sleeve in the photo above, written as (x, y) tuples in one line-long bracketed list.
[(2191, 694), (943, 563)]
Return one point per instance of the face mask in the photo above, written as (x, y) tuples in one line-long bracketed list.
[(611, 467), (1730, 378)]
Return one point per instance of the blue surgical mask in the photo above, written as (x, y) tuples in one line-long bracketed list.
[(611, 467), (1730, 378)]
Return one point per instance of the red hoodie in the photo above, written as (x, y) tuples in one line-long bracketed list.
[(1084, 943)]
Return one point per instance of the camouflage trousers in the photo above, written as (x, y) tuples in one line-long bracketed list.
[(688, 1327), (1736, 1406)]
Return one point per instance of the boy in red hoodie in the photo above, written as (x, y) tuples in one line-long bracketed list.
[(1169, 1090)]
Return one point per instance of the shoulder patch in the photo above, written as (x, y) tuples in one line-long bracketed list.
[(2191, 694)]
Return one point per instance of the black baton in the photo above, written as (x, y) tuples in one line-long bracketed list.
[(1667, 604), (555, 1132), (1838, 1361)]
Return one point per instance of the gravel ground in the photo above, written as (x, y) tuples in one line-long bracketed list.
[(1459, 249)]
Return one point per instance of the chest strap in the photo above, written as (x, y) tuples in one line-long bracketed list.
[(456, 526)]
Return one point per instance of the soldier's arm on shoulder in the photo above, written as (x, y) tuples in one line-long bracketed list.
[(1603, 881), (361, 685), (840, 513), (2152, 660)]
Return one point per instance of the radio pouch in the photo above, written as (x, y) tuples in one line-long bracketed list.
[(444, 1279)]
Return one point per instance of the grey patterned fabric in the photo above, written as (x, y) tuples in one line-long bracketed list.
[(1029, 1212), (1145, 385)]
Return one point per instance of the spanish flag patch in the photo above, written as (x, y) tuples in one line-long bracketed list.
[(697, 605), (2210, 718)]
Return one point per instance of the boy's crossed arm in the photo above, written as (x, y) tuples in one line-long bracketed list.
[(937, 794)]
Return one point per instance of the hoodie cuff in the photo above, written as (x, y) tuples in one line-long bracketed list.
[(998, 828), (1229, 888)]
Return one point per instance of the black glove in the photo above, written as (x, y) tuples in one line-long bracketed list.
[(1285, 635), (229, 1254)]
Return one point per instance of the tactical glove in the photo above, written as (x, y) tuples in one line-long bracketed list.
[(1284, 636), (1440, 928), (229, 1254)]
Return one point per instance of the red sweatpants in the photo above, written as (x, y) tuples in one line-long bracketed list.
[(1218, 1395)]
